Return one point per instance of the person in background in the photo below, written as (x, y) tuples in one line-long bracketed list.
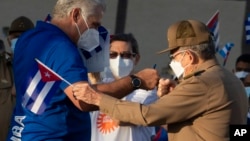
[(203, 103), (242, 66), (124, 56), (7, 88), (47, 65), (242, 71), (7, 98), (17, 27), (246, 83)]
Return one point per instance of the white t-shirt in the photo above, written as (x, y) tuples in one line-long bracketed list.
[(103, 127)]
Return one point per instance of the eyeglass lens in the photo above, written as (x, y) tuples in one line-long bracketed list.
[(126, 55)]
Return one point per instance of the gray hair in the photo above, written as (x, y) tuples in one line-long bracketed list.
[(64, 7), (205, 51)]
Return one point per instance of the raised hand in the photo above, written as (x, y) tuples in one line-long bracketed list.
[(86, 93), (165, 86), (149, 77)]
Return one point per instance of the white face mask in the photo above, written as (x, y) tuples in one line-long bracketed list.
[(89, 39), (121, 67), (241, 74), (177, 67), (13, 44), (247, 91), (98, 60)]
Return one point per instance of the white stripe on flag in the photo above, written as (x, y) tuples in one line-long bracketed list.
[(248, 37), (31, 88), (41, 96), (247, 27), (225, 50), (216, 30)]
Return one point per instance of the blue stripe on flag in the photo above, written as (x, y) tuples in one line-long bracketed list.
[(225, 50), (247, 29)]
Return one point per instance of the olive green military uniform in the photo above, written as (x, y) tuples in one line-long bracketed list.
[(201, 107), (7, 97)]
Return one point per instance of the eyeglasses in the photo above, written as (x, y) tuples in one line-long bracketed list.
[(243, 69), (172, 56), (125, 55)]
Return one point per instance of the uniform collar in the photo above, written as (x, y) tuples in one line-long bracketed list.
[(202, 68)]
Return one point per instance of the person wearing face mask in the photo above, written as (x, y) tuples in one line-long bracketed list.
[(242, 70), (7, 89), (246, 83), (124, 56), (43, 110), (17, 27), (202, 105), (242, 66)]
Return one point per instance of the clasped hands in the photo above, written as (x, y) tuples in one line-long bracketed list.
[(150, 80)]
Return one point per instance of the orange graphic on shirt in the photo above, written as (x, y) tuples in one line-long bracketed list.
[(105, 124)]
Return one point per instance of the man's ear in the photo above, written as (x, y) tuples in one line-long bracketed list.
[(193, 57), (137, 59), (76, 15)]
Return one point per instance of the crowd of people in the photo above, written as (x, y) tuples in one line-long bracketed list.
[(89, 90)]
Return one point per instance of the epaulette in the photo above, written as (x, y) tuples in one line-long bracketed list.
[(194, 74)]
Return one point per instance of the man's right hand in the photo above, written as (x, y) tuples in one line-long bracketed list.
[(165, 86), (149, 77)]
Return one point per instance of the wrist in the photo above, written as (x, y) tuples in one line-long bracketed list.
[(136, 82)]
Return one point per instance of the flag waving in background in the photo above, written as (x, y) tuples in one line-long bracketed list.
[(213, 25), (39, 87), (224, 52), (247, 28)]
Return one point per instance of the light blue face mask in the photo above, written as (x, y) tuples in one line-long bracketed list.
[(248, 91), (13, 44)]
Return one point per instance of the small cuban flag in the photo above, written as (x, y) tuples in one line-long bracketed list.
[(247, 29), (213, 25), (224, 52), (39, 87)]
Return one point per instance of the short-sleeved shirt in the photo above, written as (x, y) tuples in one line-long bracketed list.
[(61, 120), (105, 129)]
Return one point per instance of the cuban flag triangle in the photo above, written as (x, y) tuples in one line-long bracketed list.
[(247, 28), (224, 52), (213, 25), (39, 87)]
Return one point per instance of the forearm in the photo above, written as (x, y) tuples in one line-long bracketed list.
[(127, 112), (117, 89)]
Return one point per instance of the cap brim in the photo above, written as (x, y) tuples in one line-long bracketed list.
[(164, 51)]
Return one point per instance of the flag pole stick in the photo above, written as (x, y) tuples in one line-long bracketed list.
[(225, 60)]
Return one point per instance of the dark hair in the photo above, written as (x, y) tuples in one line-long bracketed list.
[(243, 58), (126, 38)]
